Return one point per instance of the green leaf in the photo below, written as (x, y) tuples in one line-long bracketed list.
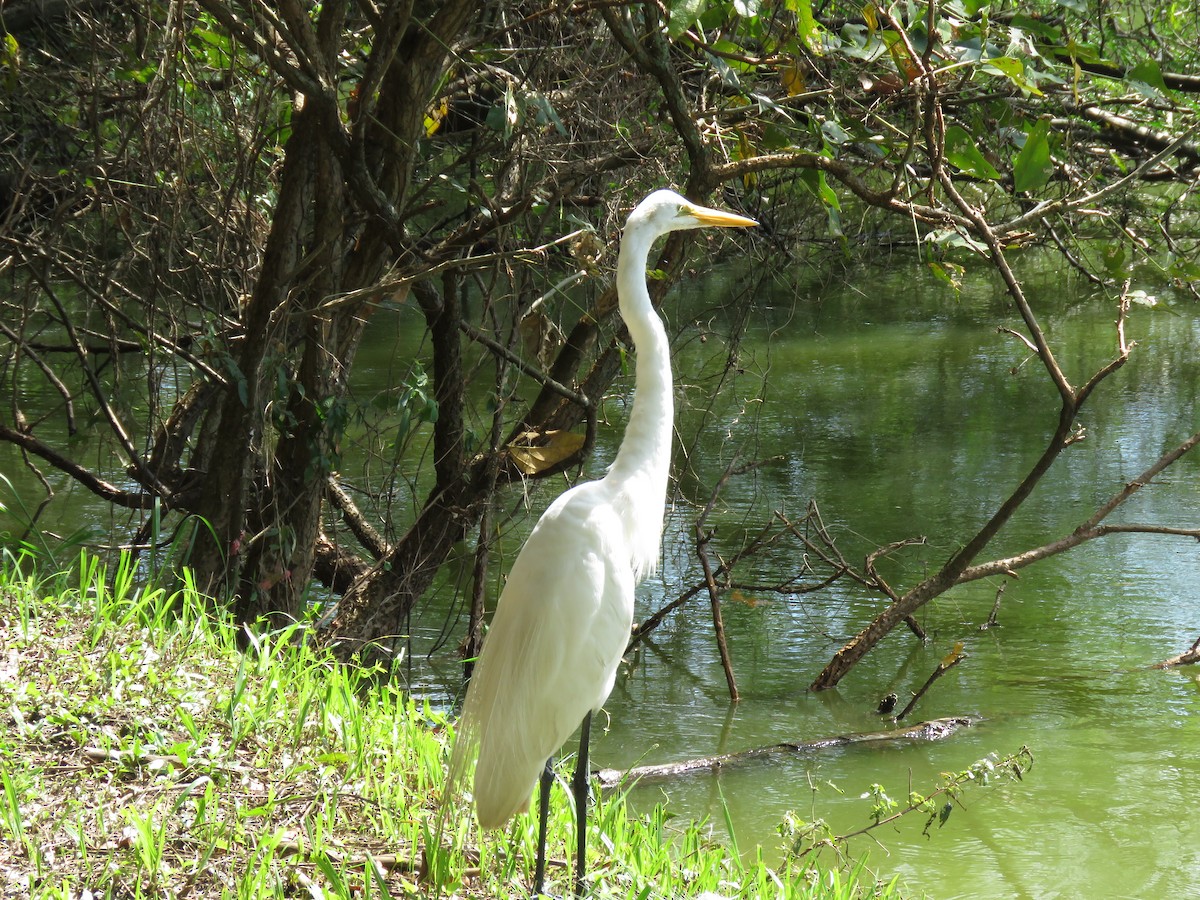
[(806, 25), (950, 273), (545, 113), (834, 133), (1084, 52), (815, 181), (1033, 167), (1113, 258), (962, 153), (684, 14), (971, 7), (775, 138), (1184, 270), (953, 239), (724, 45), (1146, 78), (1013, 70), (1141, 298), (10, 61), (1039, 27)]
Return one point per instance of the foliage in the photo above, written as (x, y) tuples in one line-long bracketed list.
[(811, 837), (144, 755)]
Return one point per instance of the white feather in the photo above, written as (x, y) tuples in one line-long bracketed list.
[(563, 619)]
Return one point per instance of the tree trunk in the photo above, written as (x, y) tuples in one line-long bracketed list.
[(378, 602), (237, 420), (263, 508), (281, 558)]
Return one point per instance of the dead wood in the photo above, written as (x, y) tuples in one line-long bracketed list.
[(932, 730), (1189, 657), (952, 659)]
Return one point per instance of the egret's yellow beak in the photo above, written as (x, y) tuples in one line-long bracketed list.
[(718, 218)]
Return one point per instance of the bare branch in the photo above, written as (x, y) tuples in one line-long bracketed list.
[(1092, 527), (98, 486)]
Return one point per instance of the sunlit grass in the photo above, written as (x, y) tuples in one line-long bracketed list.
[(143, 755)]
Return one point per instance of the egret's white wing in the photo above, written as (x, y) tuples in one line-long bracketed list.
[(560, 628)]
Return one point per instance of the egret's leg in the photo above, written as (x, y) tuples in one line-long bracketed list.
[(580, 785), (539, 872)]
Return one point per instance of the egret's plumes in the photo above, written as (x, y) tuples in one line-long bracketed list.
[(563, 619), (562, 643)]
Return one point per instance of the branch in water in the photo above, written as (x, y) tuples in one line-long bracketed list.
[(932, 730)]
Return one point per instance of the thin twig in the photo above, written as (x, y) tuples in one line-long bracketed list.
[(703, 537), (991, 619), (952, 659)]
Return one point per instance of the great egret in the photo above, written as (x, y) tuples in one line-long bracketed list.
[(563, 618)]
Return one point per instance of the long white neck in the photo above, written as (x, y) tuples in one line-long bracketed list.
[(639, 473)]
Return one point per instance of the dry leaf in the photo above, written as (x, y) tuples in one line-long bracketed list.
[(533, 452)]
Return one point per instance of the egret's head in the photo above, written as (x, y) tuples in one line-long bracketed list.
[(665, 211)]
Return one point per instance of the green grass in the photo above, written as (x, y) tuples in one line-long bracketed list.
[(143, 755)]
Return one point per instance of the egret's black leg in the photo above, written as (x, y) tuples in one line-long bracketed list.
[(580, 785), (539, 872)]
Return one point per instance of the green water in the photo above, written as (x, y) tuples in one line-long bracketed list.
[(899, 413), (894, 405)]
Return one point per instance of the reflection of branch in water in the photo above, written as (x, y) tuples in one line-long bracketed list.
[(703, 538), (902, 673), (869, 566), (676, 666), (727, 727)]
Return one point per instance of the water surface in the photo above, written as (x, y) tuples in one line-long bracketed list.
[(907, 415)]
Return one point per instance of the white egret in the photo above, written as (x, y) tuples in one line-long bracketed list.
[(563, 618)]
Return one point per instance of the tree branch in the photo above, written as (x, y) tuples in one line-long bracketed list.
[(98, 486)]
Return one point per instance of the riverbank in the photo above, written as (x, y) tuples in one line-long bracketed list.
[(144, 755)]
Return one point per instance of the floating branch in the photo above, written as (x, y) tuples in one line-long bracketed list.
[(1187, 658), (932, 730)]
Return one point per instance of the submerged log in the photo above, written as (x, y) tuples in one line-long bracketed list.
[(932, 730), (1186, 658)]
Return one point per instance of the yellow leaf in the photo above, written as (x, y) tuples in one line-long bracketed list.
[(954, 655), (746, 151), (436, 115), (870, 17), (793, 80), (533, 452), (738, 597), (902, 59)]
